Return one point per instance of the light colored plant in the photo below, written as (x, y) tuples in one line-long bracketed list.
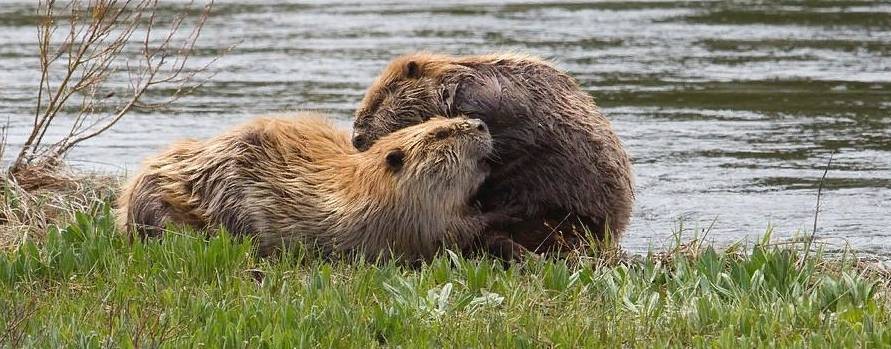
[(99, 60)]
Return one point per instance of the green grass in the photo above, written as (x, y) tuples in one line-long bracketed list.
[(87, 286)]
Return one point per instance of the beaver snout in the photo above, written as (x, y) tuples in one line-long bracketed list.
[(478, 125), (361, 142)]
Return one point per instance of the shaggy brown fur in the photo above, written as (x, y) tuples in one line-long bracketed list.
[(299, 180), (557, 157)]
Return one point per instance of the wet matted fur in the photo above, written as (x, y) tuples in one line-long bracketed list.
[(557, 157), (286, 180)]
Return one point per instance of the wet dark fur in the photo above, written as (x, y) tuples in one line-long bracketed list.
[(557, 156)]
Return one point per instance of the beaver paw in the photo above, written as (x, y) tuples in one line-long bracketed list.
[(500, 218), (508, 250)]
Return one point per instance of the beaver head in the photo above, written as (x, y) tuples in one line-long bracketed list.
[(415, 86), (401, 96), (439, 153)]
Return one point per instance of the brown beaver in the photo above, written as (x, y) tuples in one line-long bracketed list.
[(289, 180), (557, 156)]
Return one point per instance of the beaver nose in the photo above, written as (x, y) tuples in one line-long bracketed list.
[(360, 142), (478, 124)]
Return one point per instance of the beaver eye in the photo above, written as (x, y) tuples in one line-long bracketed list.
[(441, 134), (395, 159)]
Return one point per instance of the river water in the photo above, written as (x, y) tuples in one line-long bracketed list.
[(731, 112)]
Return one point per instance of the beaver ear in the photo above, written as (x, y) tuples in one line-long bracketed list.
[(489, 96), (412, 70), (395, 159)]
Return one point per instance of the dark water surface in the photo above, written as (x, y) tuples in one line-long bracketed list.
[(730, 111)]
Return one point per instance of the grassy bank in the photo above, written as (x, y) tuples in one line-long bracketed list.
[(86, 285)]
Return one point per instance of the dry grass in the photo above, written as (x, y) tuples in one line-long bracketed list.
[(27, 213)]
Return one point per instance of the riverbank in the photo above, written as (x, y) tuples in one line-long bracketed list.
[(84, 284), (729, 109)]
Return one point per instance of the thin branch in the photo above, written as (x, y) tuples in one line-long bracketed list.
[(820, 193), (817, 210), (67, 144), (91, 53), (59, 97), (3, 133)]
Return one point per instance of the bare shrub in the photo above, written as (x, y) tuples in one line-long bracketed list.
[(99, 60)]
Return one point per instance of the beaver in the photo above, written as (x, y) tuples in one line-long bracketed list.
[(557, 156), (287, 180)]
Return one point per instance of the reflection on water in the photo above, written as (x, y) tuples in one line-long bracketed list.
[(731, 111)]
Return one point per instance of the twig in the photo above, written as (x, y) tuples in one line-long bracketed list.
[(817, 210), (95, 50), (3, 130), (17, 319)]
